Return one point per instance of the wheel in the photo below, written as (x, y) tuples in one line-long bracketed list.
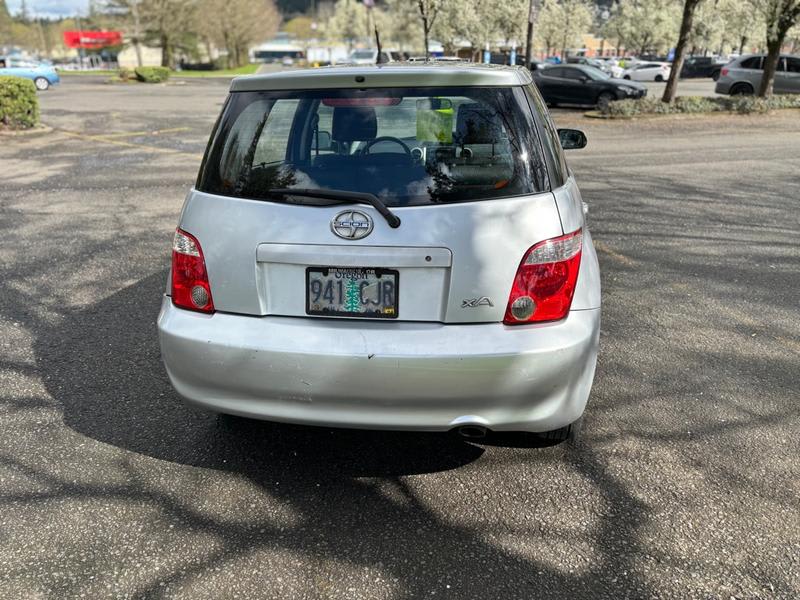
[(628, 77), (659, 78), (604, 99), (41, 83), (741, 89), (715, 76), (569, 433)]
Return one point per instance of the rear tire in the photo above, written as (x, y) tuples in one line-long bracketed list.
[(41, 83), (604, 99), (568, 433), (742, 89), (715, 76), (628, 77), (659, 78)]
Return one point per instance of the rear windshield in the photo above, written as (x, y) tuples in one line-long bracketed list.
[(408, 146)]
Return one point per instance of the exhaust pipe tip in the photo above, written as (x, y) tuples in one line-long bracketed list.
[(472, 432)]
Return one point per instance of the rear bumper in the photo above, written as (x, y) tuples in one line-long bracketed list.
[(378, 375)]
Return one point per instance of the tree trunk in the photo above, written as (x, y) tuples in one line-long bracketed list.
[(138, 47), (425, 27), (680, 50), (137, 33), (166, 51), (207, 43), (741, 44), (771, 65)]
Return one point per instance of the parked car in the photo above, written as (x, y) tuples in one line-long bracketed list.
[(628, 62), (615, 66), (588, 86), (43, 75), (743, 75), (648, 72), (652, 58), (369, 56), (702, 66), (584, 60), (401, 247)]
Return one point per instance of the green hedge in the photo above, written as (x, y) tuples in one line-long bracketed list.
[(698, 104), (19, 106), (152, 74)]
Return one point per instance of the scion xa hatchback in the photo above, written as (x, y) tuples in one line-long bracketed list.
[(396, 247)]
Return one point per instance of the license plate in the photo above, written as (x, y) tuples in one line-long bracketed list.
[(352, 292)]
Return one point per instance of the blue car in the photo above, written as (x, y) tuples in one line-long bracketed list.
[(42, 75)]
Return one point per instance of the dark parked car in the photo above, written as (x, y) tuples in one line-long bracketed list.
[(587, 86), (701, 66)]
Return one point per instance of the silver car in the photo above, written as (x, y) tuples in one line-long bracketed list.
[(394, 247), (743, 75)]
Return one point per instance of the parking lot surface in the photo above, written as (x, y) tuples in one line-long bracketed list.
[(685, 484)]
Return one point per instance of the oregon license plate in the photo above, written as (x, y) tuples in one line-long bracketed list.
[(352, 292)]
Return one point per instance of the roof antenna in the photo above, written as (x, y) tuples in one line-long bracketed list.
[(379, 60)]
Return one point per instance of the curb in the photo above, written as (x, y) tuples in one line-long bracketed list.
[(26, 132)]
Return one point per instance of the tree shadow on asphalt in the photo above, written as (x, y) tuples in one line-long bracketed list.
[(102, 364)]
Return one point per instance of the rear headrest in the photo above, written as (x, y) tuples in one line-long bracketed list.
[(354, 124), (477, 124)]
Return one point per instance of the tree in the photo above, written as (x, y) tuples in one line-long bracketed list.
[(130, 11), (5, 21), (167, 22), (300, 27), (348, 22), (740, 25), (428, 11), (237, 24), (780, 17), (509, 20), (399, 24), (548, 31), (576, 19), (461, 23), (642, 25), (689, 7)]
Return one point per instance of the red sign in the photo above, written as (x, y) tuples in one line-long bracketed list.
[(92, 40)]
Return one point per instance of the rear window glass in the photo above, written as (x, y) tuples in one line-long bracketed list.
[(408, 146), (753, 62)]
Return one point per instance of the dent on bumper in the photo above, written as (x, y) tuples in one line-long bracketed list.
[(423, 376)]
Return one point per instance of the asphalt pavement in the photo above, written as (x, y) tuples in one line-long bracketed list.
[(685, 484)]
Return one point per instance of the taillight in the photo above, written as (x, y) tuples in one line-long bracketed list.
[(724, 71), (545, 281), (190, 287)]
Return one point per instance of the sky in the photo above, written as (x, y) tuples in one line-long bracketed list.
[(50, 8)]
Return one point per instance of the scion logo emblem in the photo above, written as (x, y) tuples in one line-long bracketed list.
[(473, 302), (352, 225)]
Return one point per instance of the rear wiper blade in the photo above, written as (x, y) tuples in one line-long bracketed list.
[(345, 197)]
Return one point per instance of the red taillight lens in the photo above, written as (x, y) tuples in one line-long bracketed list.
[(545, 281), (190, 287), (724, 71)]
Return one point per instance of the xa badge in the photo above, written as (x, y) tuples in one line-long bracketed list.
[(351, 225), (473, 302)]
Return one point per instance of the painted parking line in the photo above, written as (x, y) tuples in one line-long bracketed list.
[(620, 258), (106, 140), (155, 132)]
